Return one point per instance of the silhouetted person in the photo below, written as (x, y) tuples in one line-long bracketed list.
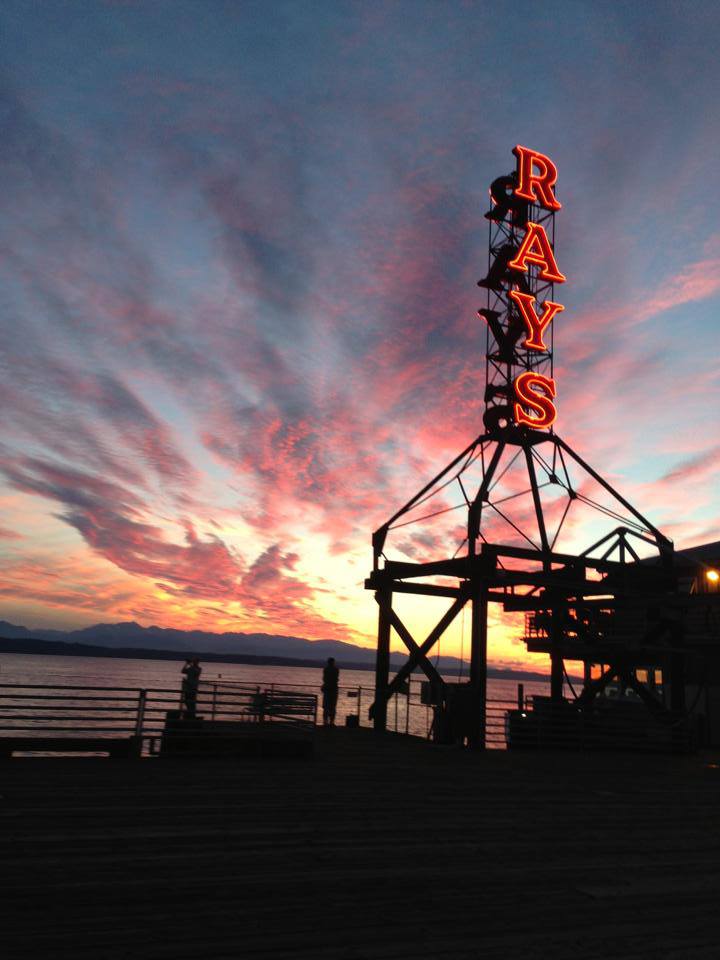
[(331, 675), (191, 679)]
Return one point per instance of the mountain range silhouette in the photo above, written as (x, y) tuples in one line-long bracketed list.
[(132, 639)]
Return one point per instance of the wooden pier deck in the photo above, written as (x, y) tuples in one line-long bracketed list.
[(379, 849)]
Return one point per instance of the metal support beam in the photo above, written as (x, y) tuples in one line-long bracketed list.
[(407, 638), (594, 687), (382, 660), (664, 545), (380, 534), (475, 509), (537, 503), (416, 656), (677, 670), (556, 654), (425, 589), (478, 664)]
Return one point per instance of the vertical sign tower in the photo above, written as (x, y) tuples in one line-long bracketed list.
[(521, 306), (518, 483)]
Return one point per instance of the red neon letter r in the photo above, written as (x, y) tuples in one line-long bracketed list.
[(537, 187)]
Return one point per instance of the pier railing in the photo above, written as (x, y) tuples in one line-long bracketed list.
[(407, 713), (45, 711), (40, 715)]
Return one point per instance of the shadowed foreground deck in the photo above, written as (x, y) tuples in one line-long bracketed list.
[(389, 849)]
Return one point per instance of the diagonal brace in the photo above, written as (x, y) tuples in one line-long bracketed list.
[(419, 653), (407, 638)]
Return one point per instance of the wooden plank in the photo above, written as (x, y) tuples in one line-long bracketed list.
[(117, 746), (389, 848)]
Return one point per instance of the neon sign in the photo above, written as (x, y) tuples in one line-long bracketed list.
[(535, 324), (536, 248), (536, 391), (521, 307), (538, 187)]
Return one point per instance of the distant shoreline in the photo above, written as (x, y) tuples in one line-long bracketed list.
[(58, 648)]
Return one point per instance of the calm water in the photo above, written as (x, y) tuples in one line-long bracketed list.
[(355, 685)]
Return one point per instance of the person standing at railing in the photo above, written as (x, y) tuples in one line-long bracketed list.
[(331, 678), (191, 680)]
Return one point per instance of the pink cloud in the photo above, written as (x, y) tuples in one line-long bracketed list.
[(7, 534), (110, 521)]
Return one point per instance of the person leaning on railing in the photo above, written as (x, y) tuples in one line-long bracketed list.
[(191, 680)]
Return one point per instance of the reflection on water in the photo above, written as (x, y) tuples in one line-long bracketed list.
[(356, 686)]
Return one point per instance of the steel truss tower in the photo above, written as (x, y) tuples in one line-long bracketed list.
[(522, 493)]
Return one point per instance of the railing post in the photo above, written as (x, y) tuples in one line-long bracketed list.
[(140, 718), (407, 710), (359, 700), (214, 700), (521, 697)]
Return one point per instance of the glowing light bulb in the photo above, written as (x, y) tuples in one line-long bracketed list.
[(713, 576)]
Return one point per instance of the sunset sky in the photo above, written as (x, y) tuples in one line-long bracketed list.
[(239, 250)]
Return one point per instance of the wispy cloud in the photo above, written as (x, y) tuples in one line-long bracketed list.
[(239, 317)]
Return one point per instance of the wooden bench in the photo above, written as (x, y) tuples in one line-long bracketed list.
[(115, 747), (295, 708)]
